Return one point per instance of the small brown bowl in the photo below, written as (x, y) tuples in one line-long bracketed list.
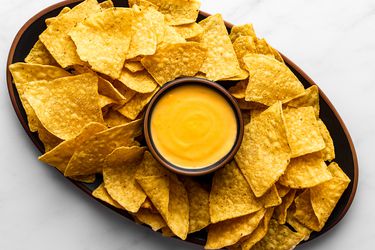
[(192, 81)]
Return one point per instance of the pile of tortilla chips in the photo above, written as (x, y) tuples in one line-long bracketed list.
[(87, 80)]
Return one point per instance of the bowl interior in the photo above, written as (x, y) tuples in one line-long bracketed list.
[(345, 152), (201, 82)]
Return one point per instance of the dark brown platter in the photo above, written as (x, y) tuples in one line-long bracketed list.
[(345, 153)]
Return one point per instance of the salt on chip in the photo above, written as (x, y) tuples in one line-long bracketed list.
[(229, 232), (270, 80), (221, 61), (189, 31), (329, 151), (132, 108), (65, 105), (303, 131), (309, 98), (22, 74), (119, 177), (113, 118), (40, 55), (242, 30), (103, 40), (141, 81), (280, 212), (56, 38), (90, 155), (49, 140), (59, 156), (174, 60), (279, 237), (154, 220), (199, 214), (134, 66), (305, 171), (264, 153), (101, 193), (241, 199)]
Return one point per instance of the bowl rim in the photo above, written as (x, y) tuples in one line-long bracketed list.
[(184, 81), (81, 186)]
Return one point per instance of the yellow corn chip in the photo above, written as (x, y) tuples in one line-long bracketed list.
[(101, 193), (22, 74), (270, 199), (280, 212), (105, 102), (292, 221), (49, 140), (282, 190), (279, 237), (221, 61), (262, 47), (113, 118), (171, 36), (199, 214), (59, 156), (241, 76), (50, 20), (167, 232), (303, 131), (136, 104), (270, 80), (174, 60), (189, 31), (150, 167), (305, 171), (264, 153), (329, 151), (107, 89), (141, 82), (309, 98), (242, 46), (242, 30), (85, 178), (119, 177), (106, 4), (103, 40), (56, 38), (124, 91), (245, 105), (65, 105), (154, 220), (229, 232), (40, 55), (90, 155), (134, 66), (241, 199), (304, 211)]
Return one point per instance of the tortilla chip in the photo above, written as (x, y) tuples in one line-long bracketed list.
[(59, 156), (167, 232), (243, 46), (305, 171), (174, 60), (279, 237), (270, 80), (84, 178), (50, 20), (22, 74), (125, 91), (101, 193), (65, 105), (282, 190), (270, 199), (309, 98), (245, 105), (293, 222), (229, 232), (242, 30), (40, 55), (302, 130), (264, 153), (199, 213), (119, 177), (154, 220), (325, 196), (150, 167), (280, 212), (262, 47), (304, 211), (136, 104), (241, 199), (56, 38), (329, 151), (106, 4), (221, 61), (189, 31), (241, 76), (141, 82), (90, 155), (104, 101), (134, 66), (171, 36), (49, 140), (103, 40), (106, 88), (113, 118)]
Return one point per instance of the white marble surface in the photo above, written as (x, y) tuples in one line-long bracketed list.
[(333, 41)]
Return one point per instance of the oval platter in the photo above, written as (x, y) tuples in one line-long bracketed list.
[(345, 153)]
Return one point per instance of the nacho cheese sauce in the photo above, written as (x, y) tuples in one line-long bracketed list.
[(193, 126)]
